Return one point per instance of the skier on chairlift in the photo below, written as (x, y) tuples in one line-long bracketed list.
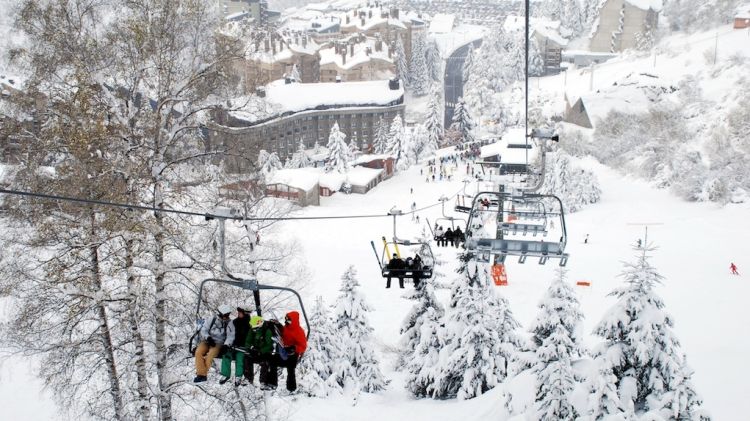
[(398, 265), (236, 335), (292, 345), (213, 334)]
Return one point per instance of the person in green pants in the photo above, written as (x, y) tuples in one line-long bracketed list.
[(259, 345), (237, 333)]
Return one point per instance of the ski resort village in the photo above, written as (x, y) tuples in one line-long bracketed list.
[(423, 210)]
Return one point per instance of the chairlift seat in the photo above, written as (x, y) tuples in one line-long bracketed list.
[(424, 273)]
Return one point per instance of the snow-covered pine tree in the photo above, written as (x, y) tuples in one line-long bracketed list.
[(421, 367), (298, 159), (434, 122), (479, 337), (468, 68), (411, 327), (604, 400), (642, 349), (395, 139), (338, 151), (571, 17), (268, 162), (420, 78), (462, 122), (402, 63), (359, 368), (380, 144), (536, 63), (556, 339), (433, 61), (420, 146), (353, 148), (575, 187), (589, 13), (407, 145), (324, 352)]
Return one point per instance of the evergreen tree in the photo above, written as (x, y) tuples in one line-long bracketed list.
[(359, 368), (590, 13), (420, 144), (468, 68), (556, 339), (411, 327), (462, 123), (422, 364), (433, 61), (299, 159), (420, 78), (324, 353), (536, 63), (268, 163), (339, 156), (480, 339), (575, 187), (433, 123), (571, 17), (395, 139), (642, 350), (402, 63), (380, 145)]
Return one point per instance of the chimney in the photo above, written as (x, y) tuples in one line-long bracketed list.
[(363, 21), (347, 19), (378, 45), (368, 51), (351, 50), (369, 14), (343, 56)]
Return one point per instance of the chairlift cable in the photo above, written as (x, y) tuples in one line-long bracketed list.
[(206, 215)]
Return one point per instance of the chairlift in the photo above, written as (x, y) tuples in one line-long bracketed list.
[(415, 273), (445, 220), (524, 230), (248, 283)]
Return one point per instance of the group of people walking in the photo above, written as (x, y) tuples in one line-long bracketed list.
[(444, 237), (248, 341)]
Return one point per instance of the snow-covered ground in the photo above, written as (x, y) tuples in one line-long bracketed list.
[(696, 244)]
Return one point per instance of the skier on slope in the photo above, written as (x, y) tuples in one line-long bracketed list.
[(733, 268)]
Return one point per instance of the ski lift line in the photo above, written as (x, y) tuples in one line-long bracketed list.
[(205, 215)]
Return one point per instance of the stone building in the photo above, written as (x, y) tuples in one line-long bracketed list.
[(305, 113), (357, 59), (621, 22)]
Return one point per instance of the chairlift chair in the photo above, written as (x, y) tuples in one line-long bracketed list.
[(415, 274), (505, 240), (248, 283)]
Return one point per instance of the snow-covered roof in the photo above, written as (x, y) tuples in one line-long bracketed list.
[(363, 159), (301, 178), (329, 56), (632, 95), (743, 12), (654, 5), (304, 96), (550, 30), (510, 155), (442, 23)]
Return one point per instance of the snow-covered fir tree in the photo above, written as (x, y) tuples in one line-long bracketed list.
[(339, 155), (434, 121), (575, 187), (420, 145), (462, 123), (480, 339), (536, 63), (395, 140), (571, 17), (402, 63), (359, 368), (642, 350), (268, 162), (556, 339), (298, 159), (419, 74), (422, 366), (380, 144), (589, 13), (411, 332), (434, 62), (324, 353), (468, 68)]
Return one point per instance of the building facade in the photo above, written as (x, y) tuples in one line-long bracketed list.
[(620, 25)]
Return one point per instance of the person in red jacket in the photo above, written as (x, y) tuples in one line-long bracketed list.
[(292, 345)]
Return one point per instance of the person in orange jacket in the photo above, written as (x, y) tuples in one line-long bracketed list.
[(291, 345)]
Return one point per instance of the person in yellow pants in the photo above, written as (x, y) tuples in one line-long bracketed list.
[(213, 334)]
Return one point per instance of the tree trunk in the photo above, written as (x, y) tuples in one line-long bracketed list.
[(105, 333), (165, 402), (140, 353)]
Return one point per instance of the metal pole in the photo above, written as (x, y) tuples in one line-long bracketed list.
[(716, 47), (526, 81)]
